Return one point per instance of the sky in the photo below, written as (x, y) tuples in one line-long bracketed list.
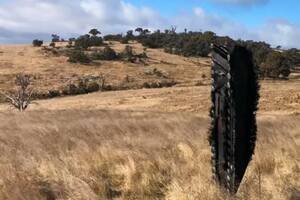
[(274, 21)]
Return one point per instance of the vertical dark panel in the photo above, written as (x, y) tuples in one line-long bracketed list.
[(234, 104)]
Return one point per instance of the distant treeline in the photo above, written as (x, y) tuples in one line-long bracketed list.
[(272, 63)]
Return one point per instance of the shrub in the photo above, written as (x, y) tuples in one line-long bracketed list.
[(157, 72), (124, 40), (292, 57), (52, 44), (55, 38), (54, 93), (85, 85), (130, 35), (128, 54), (82, 42), (95, 41), (109, 54), (78, 56), (70, 44), (71, 89), (37, 43), (159, 84), (92, 87), (275, 66), (86, 41), (55, 52), (106, 54), (111, 37)]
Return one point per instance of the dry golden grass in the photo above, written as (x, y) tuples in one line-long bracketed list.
[(135, 155), (276, 98), (136, 144)]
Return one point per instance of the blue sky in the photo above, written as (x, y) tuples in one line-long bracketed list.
[(250, 14), (274, 21)]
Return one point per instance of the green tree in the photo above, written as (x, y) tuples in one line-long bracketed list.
[(139, 30), (94, 32), (276, 65)]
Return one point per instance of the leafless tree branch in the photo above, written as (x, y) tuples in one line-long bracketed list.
[(22, 97)]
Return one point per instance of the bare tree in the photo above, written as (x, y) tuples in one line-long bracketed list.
[(22, 97), (173, 29)]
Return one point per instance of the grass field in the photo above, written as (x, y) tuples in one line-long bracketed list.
[(136, 144)]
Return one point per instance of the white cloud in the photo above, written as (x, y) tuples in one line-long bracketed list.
[(76, 16), (199, 12), (200, 20), (275, 32), (25, 20), (280, 32)]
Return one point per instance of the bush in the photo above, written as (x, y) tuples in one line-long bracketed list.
[(84, 86), (37, 43), (78, 56), (95, 41), (86, 41), (128, 54), (124, 40), (275, 66), (54, 93), (71, 89), (52, 44), (159, 84), (111, 37), (82, 42), (92, 87), (55, 38), (106, 54)]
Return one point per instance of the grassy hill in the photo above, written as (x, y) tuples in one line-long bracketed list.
[(135, 143), (52, 72)]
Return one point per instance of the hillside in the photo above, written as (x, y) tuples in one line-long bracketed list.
[(52, 72), (136, 143)]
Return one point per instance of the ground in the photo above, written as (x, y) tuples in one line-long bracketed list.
[(135, 144)]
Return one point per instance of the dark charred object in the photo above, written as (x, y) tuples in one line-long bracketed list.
[(233, 114)]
